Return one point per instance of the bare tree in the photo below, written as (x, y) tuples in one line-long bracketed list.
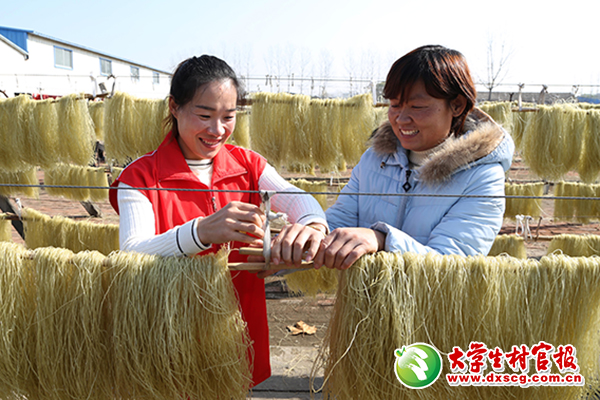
[(497, 64), (325, 61), (304, 58)]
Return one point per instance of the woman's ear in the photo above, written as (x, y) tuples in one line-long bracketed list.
[(173, 107), (458, 105)]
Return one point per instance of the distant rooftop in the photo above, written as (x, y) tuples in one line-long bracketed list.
[(18, 37)]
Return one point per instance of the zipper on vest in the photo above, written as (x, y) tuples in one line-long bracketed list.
[(407, 184), (214, 203)]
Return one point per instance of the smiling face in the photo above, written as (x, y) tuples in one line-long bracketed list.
[(207, 121), (423, 121)]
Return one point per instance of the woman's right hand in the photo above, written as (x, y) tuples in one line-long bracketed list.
[(234, 222), (344, 246)]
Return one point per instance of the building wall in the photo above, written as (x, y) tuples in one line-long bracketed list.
[(39, 74)]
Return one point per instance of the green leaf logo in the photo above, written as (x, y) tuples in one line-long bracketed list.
[(417, 366)]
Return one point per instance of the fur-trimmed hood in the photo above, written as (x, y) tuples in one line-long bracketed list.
[(483, 141)]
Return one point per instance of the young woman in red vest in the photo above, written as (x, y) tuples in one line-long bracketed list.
[(202, 102)]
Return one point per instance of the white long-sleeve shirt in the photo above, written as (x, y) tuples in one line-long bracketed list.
[(137, 231)]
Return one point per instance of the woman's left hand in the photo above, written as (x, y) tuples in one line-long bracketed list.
[(297, 243), (344, 246)]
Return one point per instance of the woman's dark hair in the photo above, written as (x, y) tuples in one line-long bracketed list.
[(192, 74), (444, 72)]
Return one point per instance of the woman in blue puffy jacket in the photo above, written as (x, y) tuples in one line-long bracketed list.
[(441, 160)]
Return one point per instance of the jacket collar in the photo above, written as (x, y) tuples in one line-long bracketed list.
[(481, 138), (172, 164)]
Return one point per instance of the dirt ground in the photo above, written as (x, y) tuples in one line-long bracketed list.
[(285, 309)]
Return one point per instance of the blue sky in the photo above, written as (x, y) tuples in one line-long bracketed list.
[(550, 43)]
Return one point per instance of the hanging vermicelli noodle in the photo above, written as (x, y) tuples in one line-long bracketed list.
[(14, 133), (520, 121), (73, 175), (575, 245), (501, 112), (45, 148), (511, 245), (17, 312), (26, 177), (42, 230), (325, 128), (584, 209), (115, 172), (531, 207), (96, 109), (316, 186), (97, 178), (575, 128), (71, 341), (5, 229), (313, 281), (300, 139), (76, 130), (589, 162), (67, 175), (189, 341), (564, 210), (151, 113), (241, 133), (85, 326), (543, 143), (389, 300), (271, 125), (357, 120)]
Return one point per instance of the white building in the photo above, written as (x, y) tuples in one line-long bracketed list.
[(34, 63)]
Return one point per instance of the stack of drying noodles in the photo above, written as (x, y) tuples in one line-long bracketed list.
[(278, 127), (531, 207), (357, 122), (582, 210), (128, 326), (132, 126), (115, 172), (76, 130), (543, 142), (97, 113), (5, 229), (589, 162), (501, 112), (43, 231), (561, 138), (29, 132), (511, 245), (575, 245), (295, 131), (241, 133), (389, 300), (85, 178), (25, 177), (519, 122), (314, 186)]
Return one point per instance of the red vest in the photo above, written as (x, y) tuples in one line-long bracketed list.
[(234, 168)]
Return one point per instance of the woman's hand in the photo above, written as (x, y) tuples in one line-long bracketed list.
[(342, 247), (234, 222), (297, 243)]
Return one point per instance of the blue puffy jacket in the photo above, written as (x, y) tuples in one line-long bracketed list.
[(473, 164)]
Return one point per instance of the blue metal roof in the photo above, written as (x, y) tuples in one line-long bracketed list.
[(17, 36)]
